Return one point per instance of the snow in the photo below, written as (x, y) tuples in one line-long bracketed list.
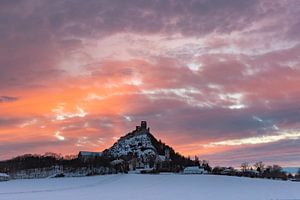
[(4, 175), (146, 187), (133, 144), (116, 162), (161, 158)]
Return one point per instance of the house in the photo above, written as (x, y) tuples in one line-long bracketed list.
[(119, 165), (140, 164), (86, 155), (228, 171), (162, 162), (252, 173), (194, 170), (4, 177), (295, 179), (159, 160), (117, 162)]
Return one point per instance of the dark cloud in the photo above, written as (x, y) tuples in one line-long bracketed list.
[(188, 17), (9, 150), (35, 35), (4, 99), (6, 122)]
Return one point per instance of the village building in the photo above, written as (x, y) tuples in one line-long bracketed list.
[(228, 171), (119, 165), (162, 162), (86, 155), (194, 170), (251, 173), (4, 177)]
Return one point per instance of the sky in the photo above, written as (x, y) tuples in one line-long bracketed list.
[(215, 78)]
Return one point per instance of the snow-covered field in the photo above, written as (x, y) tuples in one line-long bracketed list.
[(163, 186)]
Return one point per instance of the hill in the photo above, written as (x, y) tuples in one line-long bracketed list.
[(142, 147)]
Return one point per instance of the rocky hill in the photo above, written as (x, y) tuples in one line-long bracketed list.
[(136, 150), (141, 144)]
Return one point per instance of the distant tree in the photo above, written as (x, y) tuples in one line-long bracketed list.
[(53, 155), (197, 162), (231, 171), (245, 166), (206, 166), (204, 162), (274, 172), (217, 170), (70, 157), (260, 166), (276, 169)]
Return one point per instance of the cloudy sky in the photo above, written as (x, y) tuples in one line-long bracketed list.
[(214, 78)]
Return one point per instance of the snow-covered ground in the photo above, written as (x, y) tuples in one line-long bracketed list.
[(136, 186)]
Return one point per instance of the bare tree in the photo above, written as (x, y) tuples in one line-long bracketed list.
[(197, 162), (275, 172), (260, 166), (245, 166)]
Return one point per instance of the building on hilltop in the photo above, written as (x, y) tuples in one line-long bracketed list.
[(142, 127)]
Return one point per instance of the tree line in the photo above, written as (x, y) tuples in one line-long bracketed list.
[(177, 163), (258, 170), (47, 160)]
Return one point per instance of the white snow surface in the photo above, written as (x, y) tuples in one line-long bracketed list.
[(4, 175), (146, 187), (139, 144)]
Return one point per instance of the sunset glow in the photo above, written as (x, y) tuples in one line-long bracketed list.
[(213, 79)]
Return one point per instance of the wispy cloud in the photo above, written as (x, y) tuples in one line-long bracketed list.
[(280, 135), (5, 99)]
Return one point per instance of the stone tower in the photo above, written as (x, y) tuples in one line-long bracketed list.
[(144, 125)]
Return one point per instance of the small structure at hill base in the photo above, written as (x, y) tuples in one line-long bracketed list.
[(86, 155), (4, 177), (194, 170)]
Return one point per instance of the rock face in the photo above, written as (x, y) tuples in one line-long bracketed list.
[(139, 143)]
